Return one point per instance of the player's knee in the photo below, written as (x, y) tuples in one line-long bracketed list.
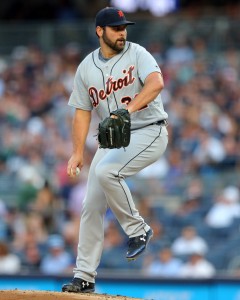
[(104, 173)]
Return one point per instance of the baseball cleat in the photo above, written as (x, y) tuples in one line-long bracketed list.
[(78, 285), (138, 244)]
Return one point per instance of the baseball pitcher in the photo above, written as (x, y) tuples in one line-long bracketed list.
[(122, 82)]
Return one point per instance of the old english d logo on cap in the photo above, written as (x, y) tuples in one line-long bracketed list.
[(120, 13)]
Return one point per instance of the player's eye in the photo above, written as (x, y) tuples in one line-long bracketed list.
[(119, 28)]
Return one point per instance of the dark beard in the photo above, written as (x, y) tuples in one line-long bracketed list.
[(114, 46)]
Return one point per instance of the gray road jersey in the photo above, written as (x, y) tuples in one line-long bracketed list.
[(106, 86)]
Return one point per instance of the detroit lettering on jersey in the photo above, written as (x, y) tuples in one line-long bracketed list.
[(111, 86)]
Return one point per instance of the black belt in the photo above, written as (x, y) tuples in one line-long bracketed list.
[(160, 123)]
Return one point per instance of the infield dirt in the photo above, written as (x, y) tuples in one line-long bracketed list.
[(46, 295)]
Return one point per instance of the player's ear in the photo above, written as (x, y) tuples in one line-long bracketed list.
[(99, 31)]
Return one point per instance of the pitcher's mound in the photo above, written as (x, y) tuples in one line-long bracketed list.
[(43, 295)]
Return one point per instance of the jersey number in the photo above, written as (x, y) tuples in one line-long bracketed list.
[(126, 100)]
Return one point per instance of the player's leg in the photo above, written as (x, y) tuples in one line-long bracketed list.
[(91, 234), (147, 145)]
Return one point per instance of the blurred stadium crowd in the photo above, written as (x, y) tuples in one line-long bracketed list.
[(190, 197)]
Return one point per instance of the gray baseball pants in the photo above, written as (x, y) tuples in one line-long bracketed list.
[(106, 188)]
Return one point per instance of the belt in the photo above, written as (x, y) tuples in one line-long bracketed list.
[(160, 122)]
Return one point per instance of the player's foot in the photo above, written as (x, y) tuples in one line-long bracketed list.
[(78, 285), (138, 244)]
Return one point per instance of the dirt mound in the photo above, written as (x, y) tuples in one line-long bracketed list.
[(44, 295)]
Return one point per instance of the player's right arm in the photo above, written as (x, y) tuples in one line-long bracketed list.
[(79, 99), (80, 128)]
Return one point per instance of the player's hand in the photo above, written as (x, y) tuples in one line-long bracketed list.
[(74, 162)]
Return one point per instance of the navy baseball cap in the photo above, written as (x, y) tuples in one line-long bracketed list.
[(111, 16)]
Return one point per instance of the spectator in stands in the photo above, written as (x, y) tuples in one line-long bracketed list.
[(48, 206), (194, 205), (69, 231), (56, 261), (225, 209), (209, 152), (114, 243), (179, 52), (145, 208), (188, 207), (197, 267), (9, 263), (165, 264), (31, 231), (189, 242), (161, 238), (175, 170), (232, 156), (31, 259)]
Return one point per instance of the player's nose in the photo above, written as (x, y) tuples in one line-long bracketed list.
[(122, 34)]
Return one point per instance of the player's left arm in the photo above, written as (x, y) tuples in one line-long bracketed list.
[(153, 85)]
